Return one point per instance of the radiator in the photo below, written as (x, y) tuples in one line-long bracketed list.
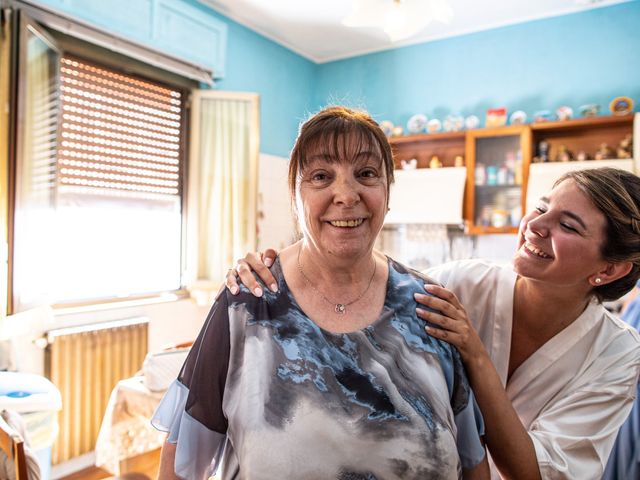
[(85, 363)]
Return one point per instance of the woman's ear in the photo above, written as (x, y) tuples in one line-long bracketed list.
[(612, 272)]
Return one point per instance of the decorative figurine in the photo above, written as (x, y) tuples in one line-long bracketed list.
[(417, 123), (518, 118), (397, 131), (435, 162), (564, 113), (434, 125), (582, 156), (543, 152), (625, 148), (622, 153), (387, 127), (604, 152), (471, 122), (621, 106), (543, 116), (564, 154), (409, 164), (453, 123), (458, 161), (589, 110)]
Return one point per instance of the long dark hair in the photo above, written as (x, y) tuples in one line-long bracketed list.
[(616, 193)]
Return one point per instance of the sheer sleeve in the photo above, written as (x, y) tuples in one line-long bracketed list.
[(191, 410), (467, 415), (470, 428)]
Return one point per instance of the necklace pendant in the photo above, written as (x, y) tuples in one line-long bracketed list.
[(341, 309)]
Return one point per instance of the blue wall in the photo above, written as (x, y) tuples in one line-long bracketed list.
[(589, 57)]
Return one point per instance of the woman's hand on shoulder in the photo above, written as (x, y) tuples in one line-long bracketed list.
[(253, 264), (451, 322)]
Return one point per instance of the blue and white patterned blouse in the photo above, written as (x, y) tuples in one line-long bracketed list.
[(280, 397)]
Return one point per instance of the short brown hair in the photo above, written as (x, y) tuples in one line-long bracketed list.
[(328, 129), (616, 193)]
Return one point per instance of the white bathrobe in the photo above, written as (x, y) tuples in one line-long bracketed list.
[(572, 394)]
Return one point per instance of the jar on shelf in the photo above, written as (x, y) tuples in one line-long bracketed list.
[(499, 218)]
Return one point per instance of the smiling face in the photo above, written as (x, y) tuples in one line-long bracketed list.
[(560, 241), (341, 197)]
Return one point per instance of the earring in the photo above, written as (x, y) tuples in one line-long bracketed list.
[(598, 280)]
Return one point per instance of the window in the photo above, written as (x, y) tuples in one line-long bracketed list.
[(98, 211)]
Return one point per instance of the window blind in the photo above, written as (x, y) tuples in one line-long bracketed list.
[(120, 135)]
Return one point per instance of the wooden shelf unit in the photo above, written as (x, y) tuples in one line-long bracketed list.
[(446, 145), (521, 134), (583, 134)]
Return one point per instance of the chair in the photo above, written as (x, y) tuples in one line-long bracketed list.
[(12, 445)]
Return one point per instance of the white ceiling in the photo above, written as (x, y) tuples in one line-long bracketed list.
[(313, 29)]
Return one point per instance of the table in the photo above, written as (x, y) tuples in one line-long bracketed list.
[(127, 442)]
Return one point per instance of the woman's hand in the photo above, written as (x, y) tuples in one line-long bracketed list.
[(511, 447), (451, 317), (248, 267)]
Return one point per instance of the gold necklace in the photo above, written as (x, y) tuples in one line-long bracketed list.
[(339, 308)]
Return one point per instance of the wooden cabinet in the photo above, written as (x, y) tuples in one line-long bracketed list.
[(582, 135), (497, 166), (499, 162), (175, 27)]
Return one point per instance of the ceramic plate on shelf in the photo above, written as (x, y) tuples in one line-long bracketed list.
[(621, 106), (518, 118), (471, 122), (543, 116), (564, 113), (417, 123), (453, 123), (589, 110), (434, 125)]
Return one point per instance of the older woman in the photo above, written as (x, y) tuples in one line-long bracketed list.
[(553, 372), (333, 376)]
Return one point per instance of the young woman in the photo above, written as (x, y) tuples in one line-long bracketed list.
[(553, 372)]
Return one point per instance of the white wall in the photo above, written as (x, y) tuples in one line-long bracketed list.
[(275, 221)]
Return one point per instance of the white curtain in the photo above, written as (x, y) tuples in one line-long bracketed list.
[(34, 232), (223, 175)]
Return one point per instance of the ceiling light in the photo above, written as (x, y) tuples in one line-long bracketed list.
[(399, 19)]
